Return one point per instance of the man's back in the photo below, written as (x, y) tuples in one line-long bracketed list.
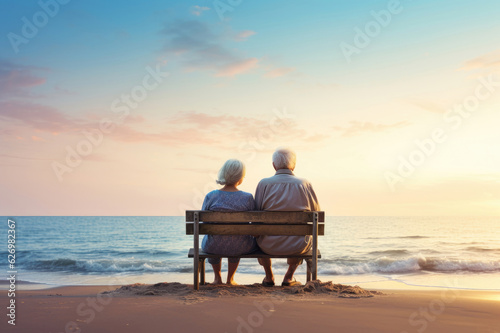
[(285, 192)]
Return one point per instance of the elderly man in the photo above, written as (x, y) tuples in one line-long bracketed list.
[(284, 192)]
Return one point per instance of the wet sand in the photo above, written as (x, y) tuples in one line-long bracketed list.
[(316, 307)]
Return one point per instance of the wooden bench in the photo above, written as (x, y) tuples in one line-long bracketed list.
[(199, 222)]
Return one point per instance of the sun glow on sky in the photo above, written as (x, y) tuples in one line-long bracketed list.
[(131, 109)]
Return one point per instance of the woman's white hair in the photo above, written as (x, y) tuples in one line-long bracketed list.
[(284, 158), (231, 172)]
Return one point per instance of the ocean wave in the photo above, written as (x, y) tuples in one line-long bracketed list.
[(386, 265), (27, 255), (447, 265), (105, 266), (148, 252), (346, 266), (390, 253), (481, 249), (399, 237)]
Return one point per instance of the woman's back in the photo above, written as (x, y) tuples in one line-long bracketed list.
[(224, 201)]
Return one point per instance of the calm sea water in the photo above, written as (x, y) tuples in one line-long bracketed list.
[(427, 251)]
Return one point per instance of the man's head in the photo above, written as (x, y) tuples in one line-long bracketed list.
[(284, 158)]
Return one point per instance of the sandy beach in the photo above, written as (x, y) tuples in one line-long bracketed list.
[(316, 307), (361, 131)]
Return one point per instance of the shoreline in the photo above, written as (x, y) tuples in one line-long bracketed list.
[(258, 309), (378, 282)]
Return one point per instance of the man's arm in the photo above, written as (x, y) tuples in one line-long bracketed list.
[(313, 200)]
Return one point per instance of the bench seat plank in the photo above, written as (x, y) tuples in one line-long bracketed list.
[(256, 254), (255, 229), (255, 216)]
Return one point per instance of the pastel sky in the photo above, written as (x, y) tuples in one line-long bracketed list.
[(130, 108)]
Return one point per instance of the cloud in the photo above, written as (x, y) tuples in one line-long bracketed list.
[(428, 105), (18, 116), (198, 128), (135, 119), (63, 91), (37, 116), (199, 119), (277, 72), (316, 138), (15, 80), (198, 10), (92, 157), (24, 158), (181, 129), (37, 138), (199, 48), (194, 170), (238, 67), (358, 127), (489, 61), (243, 35)]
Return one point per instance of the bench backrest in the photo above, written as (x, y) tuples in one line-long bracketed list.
[(254, 223)]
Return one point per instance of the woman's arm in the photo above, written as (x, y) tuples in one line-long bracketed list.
[(251, 205), (207, 202)]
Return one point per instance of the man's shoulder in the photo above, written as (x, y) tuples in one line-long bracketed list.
[(302, 181), (284, 179), (269, 180)]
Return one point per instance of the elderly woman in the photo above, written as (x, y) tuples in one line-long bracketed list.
[(228, 198)]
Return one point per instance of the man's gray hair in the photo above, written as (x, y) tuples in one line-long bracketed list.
[(231, 172), (284, 158)]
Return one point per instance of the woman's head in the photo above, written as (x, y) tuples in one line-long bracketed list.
[(284, 158), (231, 173)]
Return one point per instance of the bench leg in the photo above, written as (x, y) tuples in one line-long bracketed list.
[(196, 259), (309, 264), (196, 271), (202, 271), (314, 269)]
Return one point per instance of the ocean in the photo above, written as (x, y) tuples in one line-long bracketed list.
[(425, 252)]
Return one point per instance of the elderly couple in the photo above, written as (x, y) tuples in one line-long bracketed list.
[(281, 192)]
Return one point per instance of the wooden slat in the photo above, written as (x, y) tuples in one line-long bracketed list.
[(256, 254), (254, 216), (255, 229)]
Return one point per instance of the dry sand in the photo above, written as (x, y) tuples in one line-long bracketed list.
[(315, 307)]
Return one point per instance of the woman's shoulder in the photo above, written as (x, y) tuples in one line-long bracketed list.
[(212, 194), (228, 195), (245, 194)]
